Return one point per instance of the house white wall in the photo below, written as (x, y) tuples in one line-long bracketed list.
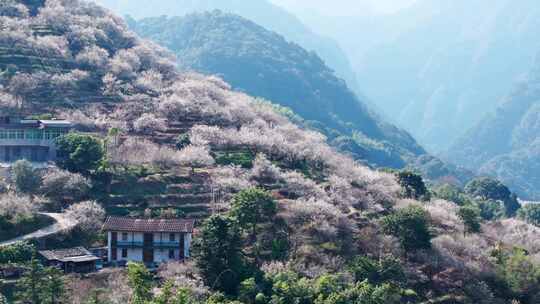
[(187, 245), (133, 254), (131, 236), (161, 255)]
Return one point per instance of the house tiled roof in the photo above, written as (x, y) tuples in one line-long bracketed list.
[(148, 225), (77, 253)]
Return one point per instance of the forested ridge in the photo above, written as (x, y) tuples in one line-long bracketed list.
[(263, 12), (262, 63), (294, 221), (237, 49), (505, 143)]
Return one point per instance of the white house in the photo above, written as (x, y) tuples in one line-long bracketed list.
[(148, 240)]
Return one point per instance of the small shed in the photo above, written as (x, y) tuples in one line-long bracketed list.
[(78, 259)]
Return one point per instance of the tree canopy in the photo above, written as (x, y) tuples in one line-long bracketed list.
[(79, 153), (218, 254), (530, 213), (411, 226), (488, 188), (27, 180)]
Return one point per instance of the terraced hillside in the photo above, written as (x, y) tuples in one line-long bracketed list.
[(182, 139), (189, 194), (262, 63)]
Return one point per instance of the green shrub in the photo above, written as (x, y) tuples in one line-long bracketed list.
[(248, 291), (521, 275), (470, 215), (487, 188), (253, 206), (218, 254), (141, 282), (243, 159), (16, 253), (27, 180), (451, 193), (384, 270), (79, 153), (530, 213), (413, 185), (411, 226), (491, 210)]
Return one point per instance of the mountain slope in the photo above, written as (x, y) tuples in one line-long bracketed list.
[(262, 12), (264, 64), (439, 66), (175, 139), (506, 142)]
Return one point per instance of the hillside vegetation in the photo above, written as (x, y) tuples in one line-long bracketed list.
[(505, 143), (293, 220), (262, 63), (262, 12), (290, 76)]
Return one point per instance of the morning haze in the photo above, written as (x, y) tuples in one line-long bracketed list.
[(269, 152)]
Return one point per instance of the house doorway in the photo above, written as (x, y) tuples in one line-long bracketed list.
[(148, 248)]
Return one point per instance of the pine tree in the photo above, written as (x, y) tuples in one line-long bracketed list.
[(31, 284), (53, 286), (218, 252), (140, 280)]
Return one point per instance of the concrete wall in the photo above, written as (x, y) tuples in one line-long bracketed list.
[(4, 173), (31, 153), (27, 142), (134, 254), (187, 245), (162, 255)]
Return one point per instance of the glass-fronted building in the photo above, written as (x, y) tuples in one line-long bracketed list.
[(30, 139)]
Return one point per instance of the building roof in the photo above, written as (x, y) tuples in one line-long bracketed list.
[(56, 123), (148, 225), (77, 254), (18, 123)]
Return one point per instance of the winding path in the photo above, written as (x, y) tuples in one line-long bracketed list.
[(62, 223)]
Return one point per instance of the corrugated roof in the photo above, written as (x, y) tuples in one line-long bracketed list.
[(56, 123), (148, 225), (81, 259), (62, 254)]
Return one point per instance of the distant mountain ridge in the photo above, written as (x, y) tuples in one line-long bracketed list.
[(181, 144), (438, 66), (262, 63), (262, 12), (506, 143)]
